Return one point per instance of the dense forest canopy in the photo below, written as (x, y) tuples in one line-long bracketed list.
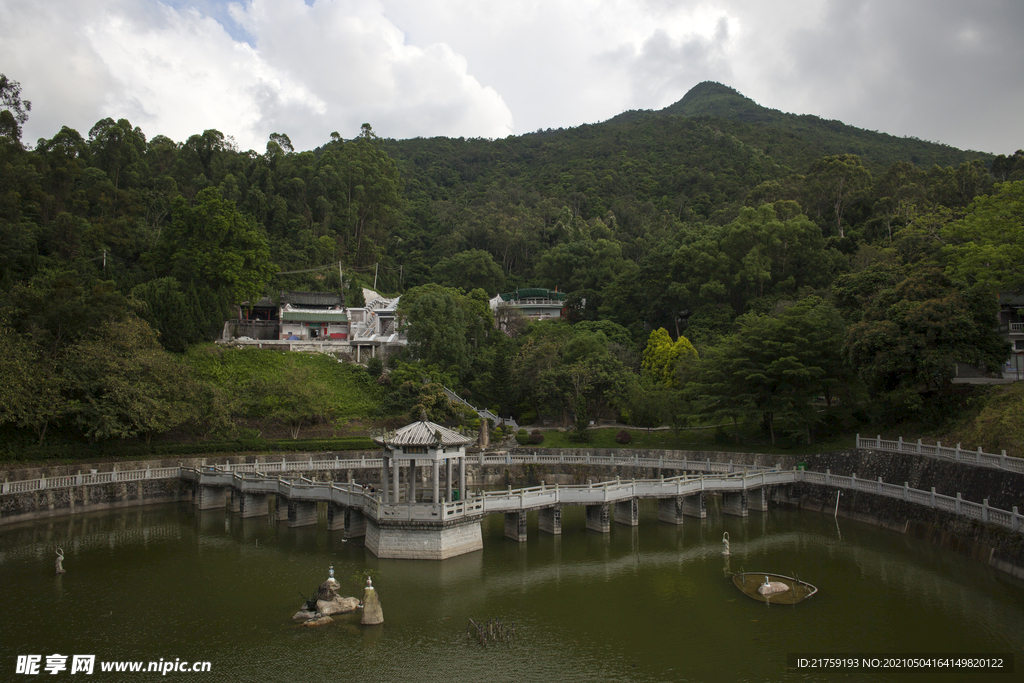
[(722, 261)]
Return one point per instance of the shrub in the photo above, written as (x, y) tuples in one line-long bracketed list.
[(522, 431), (623, 437), (536, 438)]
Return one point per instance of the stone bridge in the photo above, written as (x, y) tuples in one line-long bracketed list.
[(428, 530)]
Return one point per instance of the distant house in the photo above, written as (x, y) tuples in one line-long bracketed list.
[(317, 321), (312, 324), (534, 303), (1011, 324)]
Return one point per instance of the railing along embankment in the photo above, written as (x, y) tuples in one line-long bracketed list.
[(978, 458)]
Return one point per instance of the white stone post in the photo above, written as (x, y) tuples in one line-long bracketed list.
[(462, 478), (448, 479), (437, 483), (394, 476)]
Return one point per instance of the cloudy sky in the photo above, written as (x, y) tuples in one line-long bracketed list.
[(943, 70)]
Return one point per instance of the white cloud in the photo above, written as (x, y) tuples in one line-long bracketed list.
[(937, 69), (311, 71)]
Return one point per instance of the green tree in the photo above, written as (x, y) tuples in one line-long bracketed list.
[(13, 110), (121, 384), (913, 335), (30, 385), (773, 368), (663, 357), (167, 309), (436, 326), (291, 396), (986, 247), (468, 270), (372, 187), (211, 240), (834, 183), (118, 149)]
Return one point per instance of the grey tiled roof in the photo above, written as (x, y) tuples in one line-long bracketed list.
[(423, 433)]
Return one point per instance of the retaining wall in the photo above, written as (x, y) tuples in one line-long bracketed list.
[(999, 548)]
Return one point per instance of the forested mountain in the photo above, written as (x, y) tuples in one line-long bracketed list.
[(709, 220), (797, 140)]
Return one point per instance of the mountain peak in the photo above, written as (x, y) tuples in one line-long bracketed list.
[(715, 99)]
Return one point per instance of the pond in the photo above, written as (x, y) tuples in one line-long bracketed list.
[(649, 603)]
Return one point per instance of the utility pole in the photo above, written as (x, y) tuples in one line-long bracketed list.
[(375, 266)]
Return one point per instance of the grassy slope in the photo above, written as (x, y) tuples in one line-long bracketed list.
[(352, 393)]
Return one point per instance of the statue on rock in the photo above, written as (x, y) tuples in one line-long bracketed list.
[(372, 612), (326, 602)]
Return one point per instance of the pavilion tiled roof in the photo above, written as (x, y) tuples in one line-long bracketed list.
[(423, 433)]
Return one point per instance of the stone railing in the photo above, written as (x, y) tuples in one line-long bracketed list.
[(259, 478), (981, 512), (90, 479), (531, 498), (363, 463), (957, 454)]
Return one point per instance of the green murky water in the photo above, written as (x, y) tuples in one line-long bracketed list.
[(649, 604)]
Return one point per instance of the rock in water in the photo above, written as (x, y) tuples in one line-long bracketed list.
[(338, 605), (328, 590), (372, 612), (322, 621)]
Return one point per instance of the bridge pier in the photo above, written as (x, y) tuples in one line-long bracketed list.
[(696, 506), (598, 518), (757, 499), (627, 512), (670, 510), (301, 513), (335, 517), (209, 497), (235, 504), (515, 526), (349, 520), (281, 512), (735, 504), (254, 505), (549, 520)]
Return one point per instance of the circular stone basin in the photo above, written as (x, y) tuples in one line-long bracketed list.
[(750, 582)]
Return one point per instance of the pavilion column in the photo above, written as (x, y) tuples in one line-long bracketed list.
[(448, 479), (384, 480), (394, 474), (437, 476), (411, 498), (462, 479)]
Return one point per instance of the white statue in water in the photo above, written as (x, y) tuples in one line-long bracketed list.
[(772, 587), (59, 564)]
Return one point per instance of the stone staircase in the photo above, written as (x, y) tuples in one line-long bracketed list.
[(483, 413)]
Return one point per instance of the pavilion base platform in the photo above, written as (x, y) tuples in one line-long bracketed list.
[(423, 540)]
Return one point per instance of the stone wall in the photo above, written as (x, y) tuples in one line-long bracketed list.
[(54, 502)]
